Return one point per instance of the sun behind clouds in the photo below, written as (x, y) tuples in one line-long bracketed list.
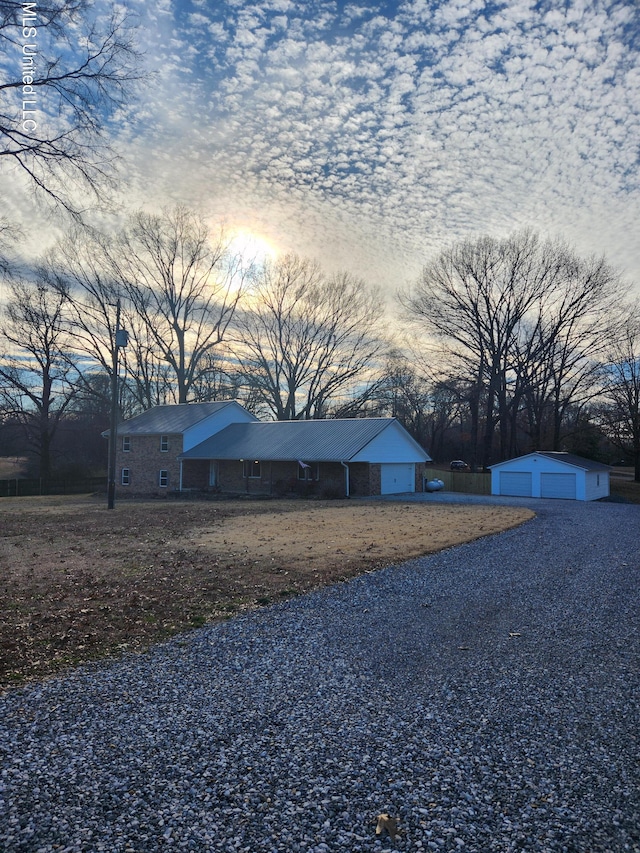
[(251, 248)]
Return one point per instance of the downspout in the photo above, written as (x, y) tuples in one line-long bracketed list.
[(346, 468)]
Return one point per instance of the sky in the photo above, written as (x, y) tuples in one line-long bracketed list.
[(371, 135)]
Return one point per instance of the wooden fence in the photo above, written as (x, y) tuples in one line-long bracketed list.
[(462, 481), (24, 487)]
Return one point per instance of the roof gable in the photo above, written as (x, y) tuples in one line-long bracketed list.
[(393, 444), (173, 419)]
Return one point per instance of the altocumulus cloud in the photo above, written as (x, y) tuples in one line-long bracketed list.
[(369, 134)]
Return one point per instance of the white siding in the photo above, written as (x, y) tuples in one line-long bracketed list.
[(550, 478), (231, 414), (515, 483), (393, 444), (397, 479), (597, 485)]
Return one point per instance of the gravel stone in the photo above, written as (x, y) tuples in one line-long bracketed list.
[(485, 696)]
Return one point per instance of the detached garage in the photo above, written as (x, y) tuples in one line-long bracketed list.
[(546, 474)]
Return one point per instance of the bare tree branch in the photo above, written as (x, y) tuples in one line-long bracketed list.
[(306, 338), (183, 286), (76, 72)]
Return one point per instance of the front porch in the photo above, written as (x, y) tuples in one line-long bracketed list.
[(279, 478)]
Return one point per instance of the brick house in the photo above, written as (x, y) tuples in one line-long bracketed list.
[(149, 445), (226, 449)]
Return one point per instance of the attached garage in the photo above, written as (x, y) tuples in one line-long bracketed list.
[(546, 474), (397, 479)]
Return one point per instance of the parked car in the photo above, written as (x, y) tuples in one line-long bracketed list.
[(459, 465)]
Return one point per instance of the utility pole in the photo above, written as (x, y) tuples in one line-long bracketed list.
[(121, 340)]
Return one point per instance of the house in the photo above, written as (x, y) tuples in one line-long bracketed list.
[(149, 445), (547, 474), (224, 448)]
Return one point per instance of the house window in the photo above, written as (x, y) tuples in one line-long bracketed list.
[(163, 480), (164, 443), (308, 472), (124, 476), (251, 469), (126, 443), (213, 473)]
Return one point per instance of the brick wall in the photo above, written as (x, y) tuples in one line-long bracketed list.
[(231, 480), (195, 474), (359, 478), (145, 460), (278, 478)]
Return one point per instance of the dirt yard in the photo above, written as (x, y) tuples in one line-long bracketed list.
[(81, 582)]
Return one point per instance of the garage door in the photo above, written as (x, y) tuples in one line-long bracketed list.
[(395, 479), (558, 486), (516, 483)]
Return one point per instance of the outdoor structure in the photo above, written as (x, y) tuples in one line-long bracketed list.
[(220, 447), (148, 445), (547, 474)]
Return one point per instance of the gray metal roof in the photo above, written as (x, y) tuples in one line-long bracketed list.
[(166, 420), (317, 441), (572, 459), (562, 456)]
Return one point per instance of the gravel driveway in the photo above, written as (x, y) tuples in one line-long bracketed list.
[(486, 696)]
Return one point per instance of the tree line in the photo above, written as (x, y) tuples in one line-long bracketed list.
[(501, 346)]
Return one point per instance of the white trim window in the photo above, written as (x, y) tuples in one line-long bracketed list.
[(125, 479), (126, 443), (163, 479), (164, 444), (251, 469)]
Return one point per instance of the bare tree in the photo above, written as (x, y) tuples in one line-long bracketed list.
[(178, 291), (560, 347), (76, 70), (79, 267), (523, 321), (475, 295), (422, 399), (183, 286), (219, 378), (147, 377), (305, 339), (620, 413), (36, 379)]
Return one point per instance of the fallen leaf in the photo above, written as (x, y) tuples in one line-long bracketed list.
[(387, 825)]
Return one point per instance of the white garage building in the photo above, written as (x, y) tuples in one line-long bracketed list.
[(547, 474)]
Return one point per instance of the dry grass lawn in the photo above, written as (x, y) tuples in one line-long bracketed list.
[(82, 582)]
